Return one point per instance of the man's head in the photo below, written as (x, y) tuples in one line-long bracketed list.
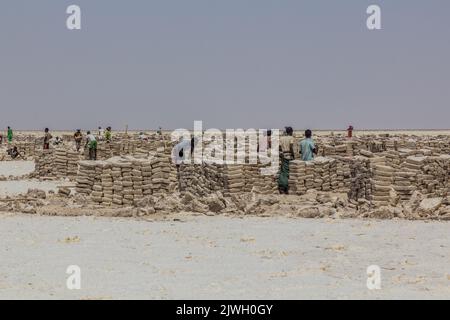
[(88, 132), (46, 130), (78, 131), (308, 133), (99, 128), (289, 131), (9, 128), (269, 133)]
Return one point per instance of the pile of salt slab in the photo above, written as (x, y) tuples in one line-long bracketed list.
[(382, 181)]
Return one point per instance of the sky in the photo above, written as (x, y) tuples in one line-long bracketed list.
[(229, 63)]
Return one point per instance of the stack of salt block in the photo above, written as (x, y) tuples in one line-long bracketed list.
[(107, 186), (351, 147), (340, 149), (393, 158), (195, 179), (360, 182), (85, 177), (297, 174), (321, 174), (97, 187), (434, 177), (391, 144), (162, 178), (26, 149), (405, 176), (127, 183), (267, 179), (309, 175), (146, 169), (251, 178), (343, 176), (190, 176), (117, 182), (382, 181), (44, 163), (72, 163), (138, 179), (235, 179), (60, 164)]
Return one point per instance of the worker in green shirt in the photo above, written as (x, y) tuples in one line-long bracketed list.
[(10, 135), (108, 135)]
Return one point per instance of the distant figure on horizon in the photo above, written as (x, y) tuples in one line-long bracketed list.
[(108, 134), (307, 147), (10, 135), (350, 131), (101, 133), (47, 138)]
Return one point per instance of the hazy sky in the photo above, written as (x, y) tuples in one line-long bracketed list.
[(230, 63)]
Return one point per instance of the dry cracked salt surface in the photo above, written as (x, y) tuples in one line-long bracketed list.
[(199, 257)]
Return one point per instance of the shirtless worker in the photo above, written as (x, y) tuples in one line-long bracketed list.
[(78, 137), (47, 138)]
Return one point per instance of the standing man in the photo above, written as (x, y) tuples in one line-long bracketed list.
[(350, 131), (286, 154), (10, 135), (47, 138), (101, 133), (307, 147), (91, 143), (78, 137), (108, 134)]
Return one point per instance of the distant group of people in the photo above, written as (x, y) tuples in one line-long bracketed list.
[(307, 151), (92, 140)]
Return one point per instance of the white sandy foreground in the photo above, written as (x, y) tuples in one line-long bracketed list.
[(222, 258)]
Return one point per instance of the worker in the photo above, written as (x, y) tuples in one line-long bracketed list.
[(14, 153), (350, 132), (307, 147), (58, 141), (286, 154), (47, 138), (101, 133), (268, 142), (10, 135), (182, 150), (78, 137), (108, 134), (180, 155), (91, 143)]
